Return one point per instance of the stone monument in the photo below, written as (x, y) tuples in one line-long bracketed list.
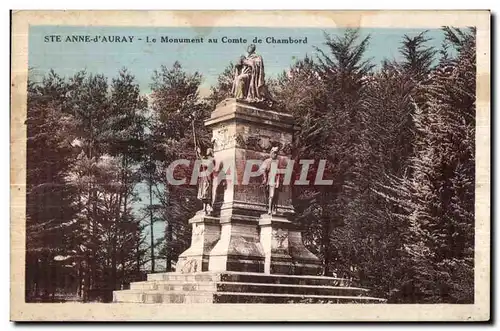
[(248, 248), (252, 239)]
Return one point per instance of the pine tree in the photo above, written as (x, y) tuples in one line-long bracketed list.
[(418, 59), (437, 199), (124, 137), (223, 87), (346, 75), (107, 130), (49, 209), (370, 244), (175, 109), (88, 102)]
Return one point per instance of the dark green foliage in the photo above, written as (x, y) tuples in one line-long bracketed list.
[(176, 108), (82, 146), (49, 209), (437, 199), (223, 88), (399, 142), (417, 58)]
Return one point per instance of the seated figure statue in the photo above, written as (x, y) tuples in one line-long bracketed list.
[(249, 83)]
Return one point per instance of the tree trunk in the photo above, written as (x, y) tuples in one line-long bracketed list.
[(125, 215), (85, 279), (112, 282), (151, 221), (168, 239), (138, 256), (79, 279), (93, 261), (326, 245)]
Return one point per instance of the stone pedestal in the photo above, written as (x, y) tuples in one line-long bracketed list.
[(283, 248), (274, 240), (244, 132), (304, 262), (238, 249), (205, 234)]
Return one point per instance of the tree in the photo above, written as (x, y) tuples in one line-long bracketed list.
[(346, 75), (124, 138), (88, 102), (437, 198), (223, 88), (418, 59), (49, 209), (81, 180), (176, 108)]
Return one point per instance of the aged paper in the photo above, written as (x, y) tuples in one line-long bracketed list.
[(92, 183)]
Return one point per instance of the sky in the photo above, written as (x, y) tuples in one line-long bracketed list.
[(142, 58)]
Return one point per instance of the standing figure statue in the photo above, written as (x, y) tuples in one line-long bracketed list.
[(271, 180), (205, 183), (249, 83)]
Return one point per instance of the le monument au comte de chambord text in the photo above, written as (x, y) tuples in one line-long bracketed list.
[(171, 40)]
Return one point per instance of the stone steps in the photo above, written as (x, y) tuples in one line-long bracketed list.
[(162, 285), (289, 289), (241, 297), (189, 277), (248, 287), (131, 296), (241, 287), (249, 277)]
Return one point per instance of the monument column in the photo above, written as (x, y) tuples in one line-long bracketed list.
[(250, 239), (236, 204)]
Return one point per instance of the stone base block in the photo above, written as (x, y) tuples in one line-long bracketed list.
[(238, 249), (274, 240), (284, 250), (304, 262), (205, 234)]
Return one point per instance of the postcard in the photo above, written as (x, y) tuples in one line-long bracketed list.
[(250, 166)]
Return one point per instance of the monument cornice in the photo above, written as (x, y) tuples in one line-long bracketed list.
[(235, 110)]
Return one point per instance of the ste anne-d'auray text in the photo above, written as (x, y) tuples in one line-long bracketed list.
[(171, 40)]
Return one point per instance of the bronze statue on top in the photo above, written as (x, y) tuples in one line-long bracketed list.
[(249, 81)]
